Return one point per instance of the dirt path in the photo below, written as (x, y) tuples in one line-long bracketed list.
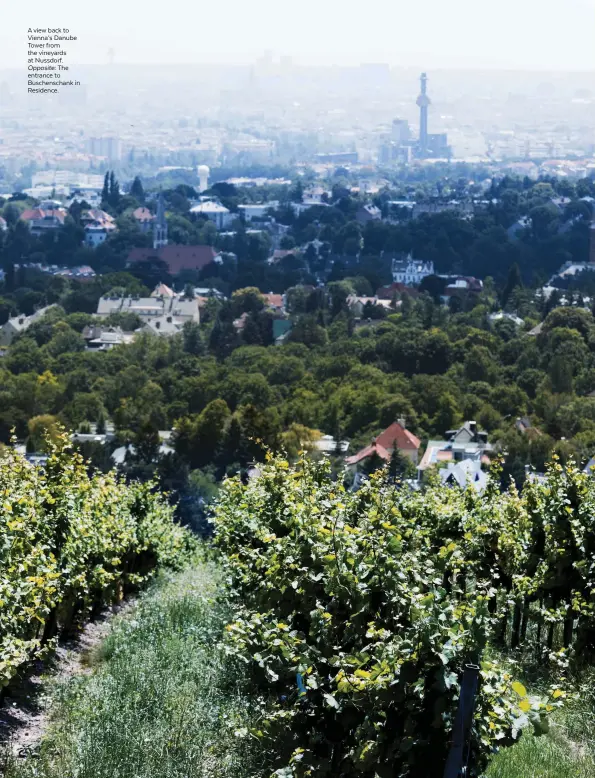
[(24, 714)]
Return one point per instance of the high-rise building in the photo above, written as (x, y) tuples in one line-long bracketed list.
[(111, 148), (400, 131)]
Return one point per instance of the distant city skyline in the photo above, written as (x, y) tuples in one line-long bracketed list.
[(529, 35)]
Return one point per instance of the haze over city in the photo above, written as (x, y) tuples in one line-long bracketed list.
[(532, 34)]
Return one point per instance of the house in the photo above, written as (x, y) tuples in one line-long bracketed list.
[(316, 194), (299, 208), (515, 230), (164, 312), (214, 212), (274, 302), (328, 445), (368, 213), (177, 258), (122, 453), (395, 437), (468, 442), (163, 325), (456, 206), (388, 292), (466, 473), (100, 338), (279, 254), (144, 218), (41, 221), (524, 426), (410, 271), (502, 316), (18, 324), (570, 269), (257, 210), (461, 285), (80, 273), (98, 225), (96, 215), (560, 203), (357, 304), (162, 290), (203, 291), (536, 330)]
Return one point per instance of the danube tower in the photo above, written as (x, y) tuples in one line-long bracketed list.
[(423, 101)]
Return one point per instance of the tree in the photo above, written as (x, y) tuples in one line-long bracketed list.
[(146, 442), (192, 339), (198, 437), (137, 191), (307, 330), (105, 192), (247, 300), (514, 280), (151, 271), (223, 338), (43, 431), (298, 438), (400, 467), (434, 286), (114, 191), (101, 424)]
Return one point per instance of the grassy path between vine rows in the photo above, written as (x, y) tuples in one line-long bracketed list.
[(567, 751), (162, 701), (25, 708)]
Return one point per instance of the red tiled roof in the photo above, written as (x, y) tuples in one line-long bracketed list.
[(177, 258), (368, 451), (97, 215), (397, 436), (37, 213), (274, 300), (142, 215), (393, 437)]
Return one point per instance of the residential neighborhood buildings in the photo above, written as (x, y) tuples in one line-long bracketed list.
[(215, 212), (41, 220), (396, 437), (163, 313), (410, 271), (466, 443), (98, 225), (17, 324)]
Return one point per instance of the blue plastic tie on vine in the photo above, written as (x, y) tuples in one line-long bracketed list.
[(300, 683)]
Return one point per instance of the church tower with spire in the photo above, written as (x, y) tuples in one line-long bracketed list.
[(160, 225)]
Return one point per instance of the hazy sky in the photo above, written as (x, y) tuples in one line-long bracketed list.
[(518, 34)]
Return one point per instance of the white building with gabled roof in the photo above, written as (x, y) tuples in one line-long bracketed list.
[(410, 271), (163, 306), (221, 216)]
